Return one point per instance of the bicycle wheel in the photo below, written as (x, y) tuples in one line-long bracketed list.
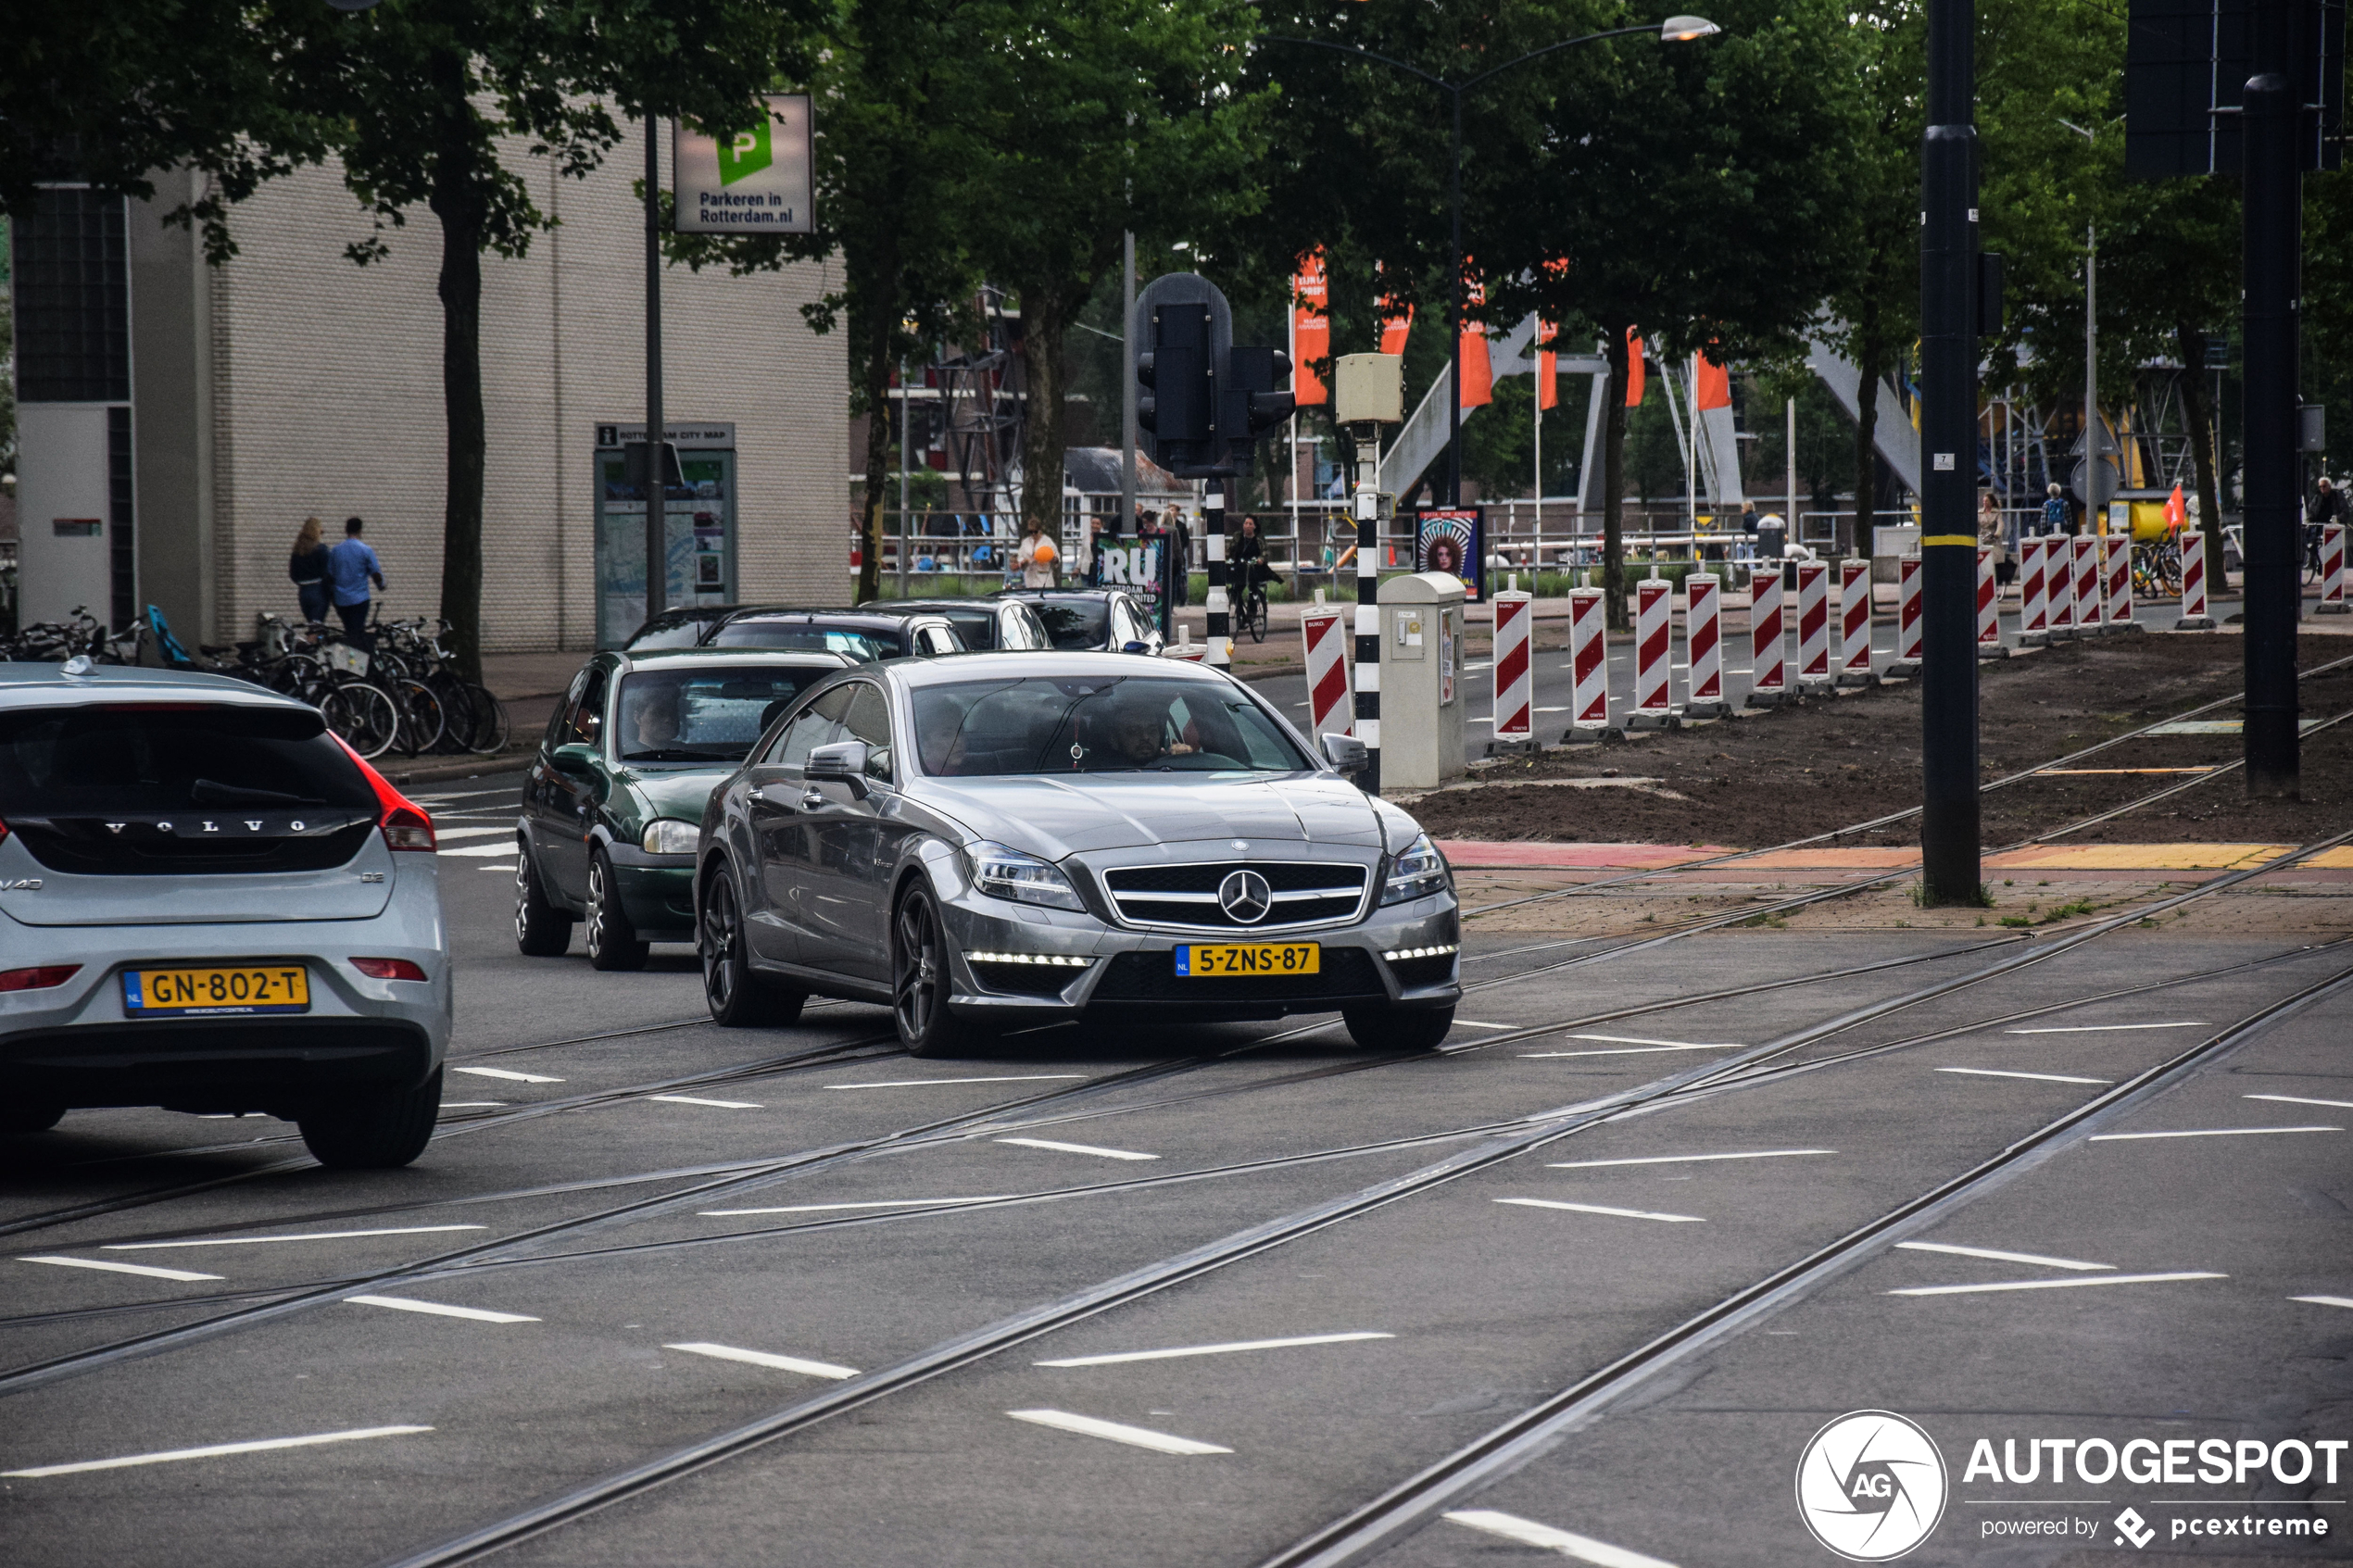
[(459, 717), (421, 719), (1256, 614), (363, 715), (491, 728)]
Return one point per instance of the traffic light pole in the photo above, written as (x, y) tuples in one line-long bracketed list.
[(1949, 829), (657, 490), (2271, 237), (1212, 527), (1368, 502)]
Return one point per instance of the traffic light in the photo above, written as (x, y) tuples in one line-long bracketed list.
[(1253, 397), (1179, 404)]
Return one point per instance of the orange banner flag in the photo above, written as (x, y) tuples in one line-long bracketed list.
[(1393, 326), (1633, 366), (1479, 376), (1311, 329), (2177, 512), (1711, 383), (1548, 392)]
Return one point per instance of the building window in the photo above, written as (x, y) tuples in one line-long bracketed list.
[(121, 535), (73, 305)]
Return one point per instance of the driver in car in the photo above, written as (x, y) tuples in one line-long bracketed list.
[(1139, 736), (653, 720)]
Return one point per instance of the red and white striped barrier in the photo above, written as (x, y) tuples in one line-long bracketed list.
[(1654, 655), (1515, 677), (2086, 557), (2333, 569), (1854, 623), (2116, 565), (1813, 623), (1989, 609), (2059, 578), (2033, 593), (1767, 646), (2195, 616), (1330, 710), (1908, 618), (1588, 665), (1704, 643)]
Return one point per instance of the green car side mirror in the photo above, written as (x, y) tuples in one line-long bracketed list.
[(573, 759)]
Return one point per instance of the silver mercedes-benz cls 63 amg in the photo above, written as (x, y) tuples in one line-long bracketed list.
[(991, 841)]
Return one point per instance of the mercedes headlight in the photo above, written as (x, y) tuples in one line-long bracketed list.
[(1416, 874), (667, 835), (1008, 873)]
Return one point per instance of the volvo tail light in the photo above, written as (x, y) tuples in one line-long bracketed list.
[(405, 824)]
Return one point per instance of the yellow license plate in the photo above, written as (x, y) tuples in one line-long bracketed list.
[(1248, 958), (215, 991)]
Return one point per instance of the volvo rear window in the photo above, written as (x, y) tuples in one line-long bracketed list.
[(166, 757)]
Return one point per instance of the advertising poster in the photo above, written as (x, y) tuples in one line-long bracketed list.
[(1453, 542)]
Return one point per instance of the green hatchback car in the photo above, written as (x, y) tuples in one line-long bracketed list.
[(613, 802)]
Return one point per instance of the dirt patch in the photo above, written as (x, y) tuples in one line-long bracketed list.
[(1818, 766)]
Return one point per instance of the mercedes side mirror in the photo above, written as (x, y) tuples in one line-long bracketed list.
[(1346, 753), (843, 760), (1135, 646), (573, 759)]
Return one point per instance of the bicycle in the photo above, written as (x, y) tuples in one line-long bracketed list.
[(2157, 569), (1253, 605)]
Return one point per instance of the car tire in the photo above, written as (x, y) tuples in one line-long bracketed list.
[(737, 997), (920, 949), (383, 1134), (29, 1116), (542, 931), (1382, 1027), (607, 933)]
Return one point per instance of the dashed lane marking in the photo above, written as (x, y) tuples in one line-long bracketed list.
[(1078, 1149), (257, 1240), (509, 1075), (1138, 1436), (717, 1104), (2047, 1284), (2002, 1257), (2204, 1133), (1480, 1023), (2299, 1099), (830, 1208), (215, 1451), (2039, 1077), (1212, 1349), (2326, 1300), (506, 828), (437, 1309), (478, 851), (2106, 1028), (103, 1265), (471, 1104), (1686, 1159), (1603, 1209), (1527, 1531), (762, 1357), (928, 1082)]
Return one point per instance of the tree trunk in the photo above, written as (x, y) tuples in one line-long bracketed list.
[(1857, 533), (1045, 325), (457, 202), (874, 368), (1613, 480), (2201, 422)]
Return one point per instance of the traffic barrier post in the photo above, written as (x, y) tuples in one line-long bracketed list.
[(1653, 656), (2195, 616), (1768, 643), (1989, 609), (1855, 624), (1331, 708), (1514, 671), (1908, 618), (2059, 581), (1588, 667), (1812, 624), (2086, 558), (2033, 593), (2116, 564), (2333, 569), (1704, 644)]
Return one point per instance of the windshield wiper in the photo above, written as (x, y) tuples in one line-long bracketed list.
[(206, 791), (681, 754)]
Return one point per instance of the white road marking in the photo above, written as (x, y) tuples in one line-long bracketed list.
[(829, 1208), (2204, 1133), (761, 1358), (2039, 1077), (720, 1104), (2299, 1099), (1477, 1024), (1140, 1437), (471, 1104), (2326, 1300), (506, 828), (214, 1450), (1602, 1209), (1482, 719), (437, 1309), (2000, 1256), (255, 1240), (1212, 1349), (1528, 1533), (1622, 1050), (509, 1075), (505, 868), (2046, 1284), (478, 851), (1561, 710), (928, 1083), (1686, 1159), (120, 1268), (1676, 1045), (1078, 1149), (2105, 1028)]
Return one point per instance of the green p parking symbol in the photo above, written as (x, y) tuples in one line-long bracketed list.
[(745, 153)]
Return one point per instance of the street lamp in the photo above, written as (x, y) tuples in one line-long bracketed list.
[(2093, 496), (1674, 30)]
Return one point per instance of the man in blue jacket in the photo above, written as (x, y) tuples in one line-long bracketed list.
[(351, 567)]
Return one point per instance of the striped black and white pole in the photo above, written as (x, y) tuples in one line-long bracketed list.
[(1212, 525), (1369, 613)]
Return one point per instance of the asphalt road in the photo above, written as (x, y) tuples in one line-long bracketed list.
[(931, 1287)]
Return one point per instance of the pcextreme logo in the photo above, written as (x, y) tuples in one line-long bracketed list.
[(745, 153), (1871, 1486)]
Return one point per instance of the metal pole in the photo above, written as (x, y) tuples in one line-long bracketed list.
[(1212, 527), (2091, 487), (906, 464), (1368, 503), (1454, 323), (1127, 385), (657, 491), (2272, 219), (1949, 828), (1789, 462)]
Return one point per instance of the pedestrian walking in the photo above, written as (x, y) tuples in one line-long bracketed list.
[(1179, 564), (307, 566), (2325, 507), (1991, 535), (2056, 518), (1035, 557), (352, 566)]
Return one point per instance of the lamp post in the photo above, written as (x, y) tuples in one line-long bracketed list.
[(2093, 499), (1674, 30)]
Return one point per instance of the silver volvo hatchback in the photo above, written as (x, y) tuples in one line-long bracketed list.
[(991, 840), (210, 904)]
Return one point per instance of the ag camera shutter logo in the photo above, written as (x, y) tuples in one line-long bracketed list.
[(1871, 1485)]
